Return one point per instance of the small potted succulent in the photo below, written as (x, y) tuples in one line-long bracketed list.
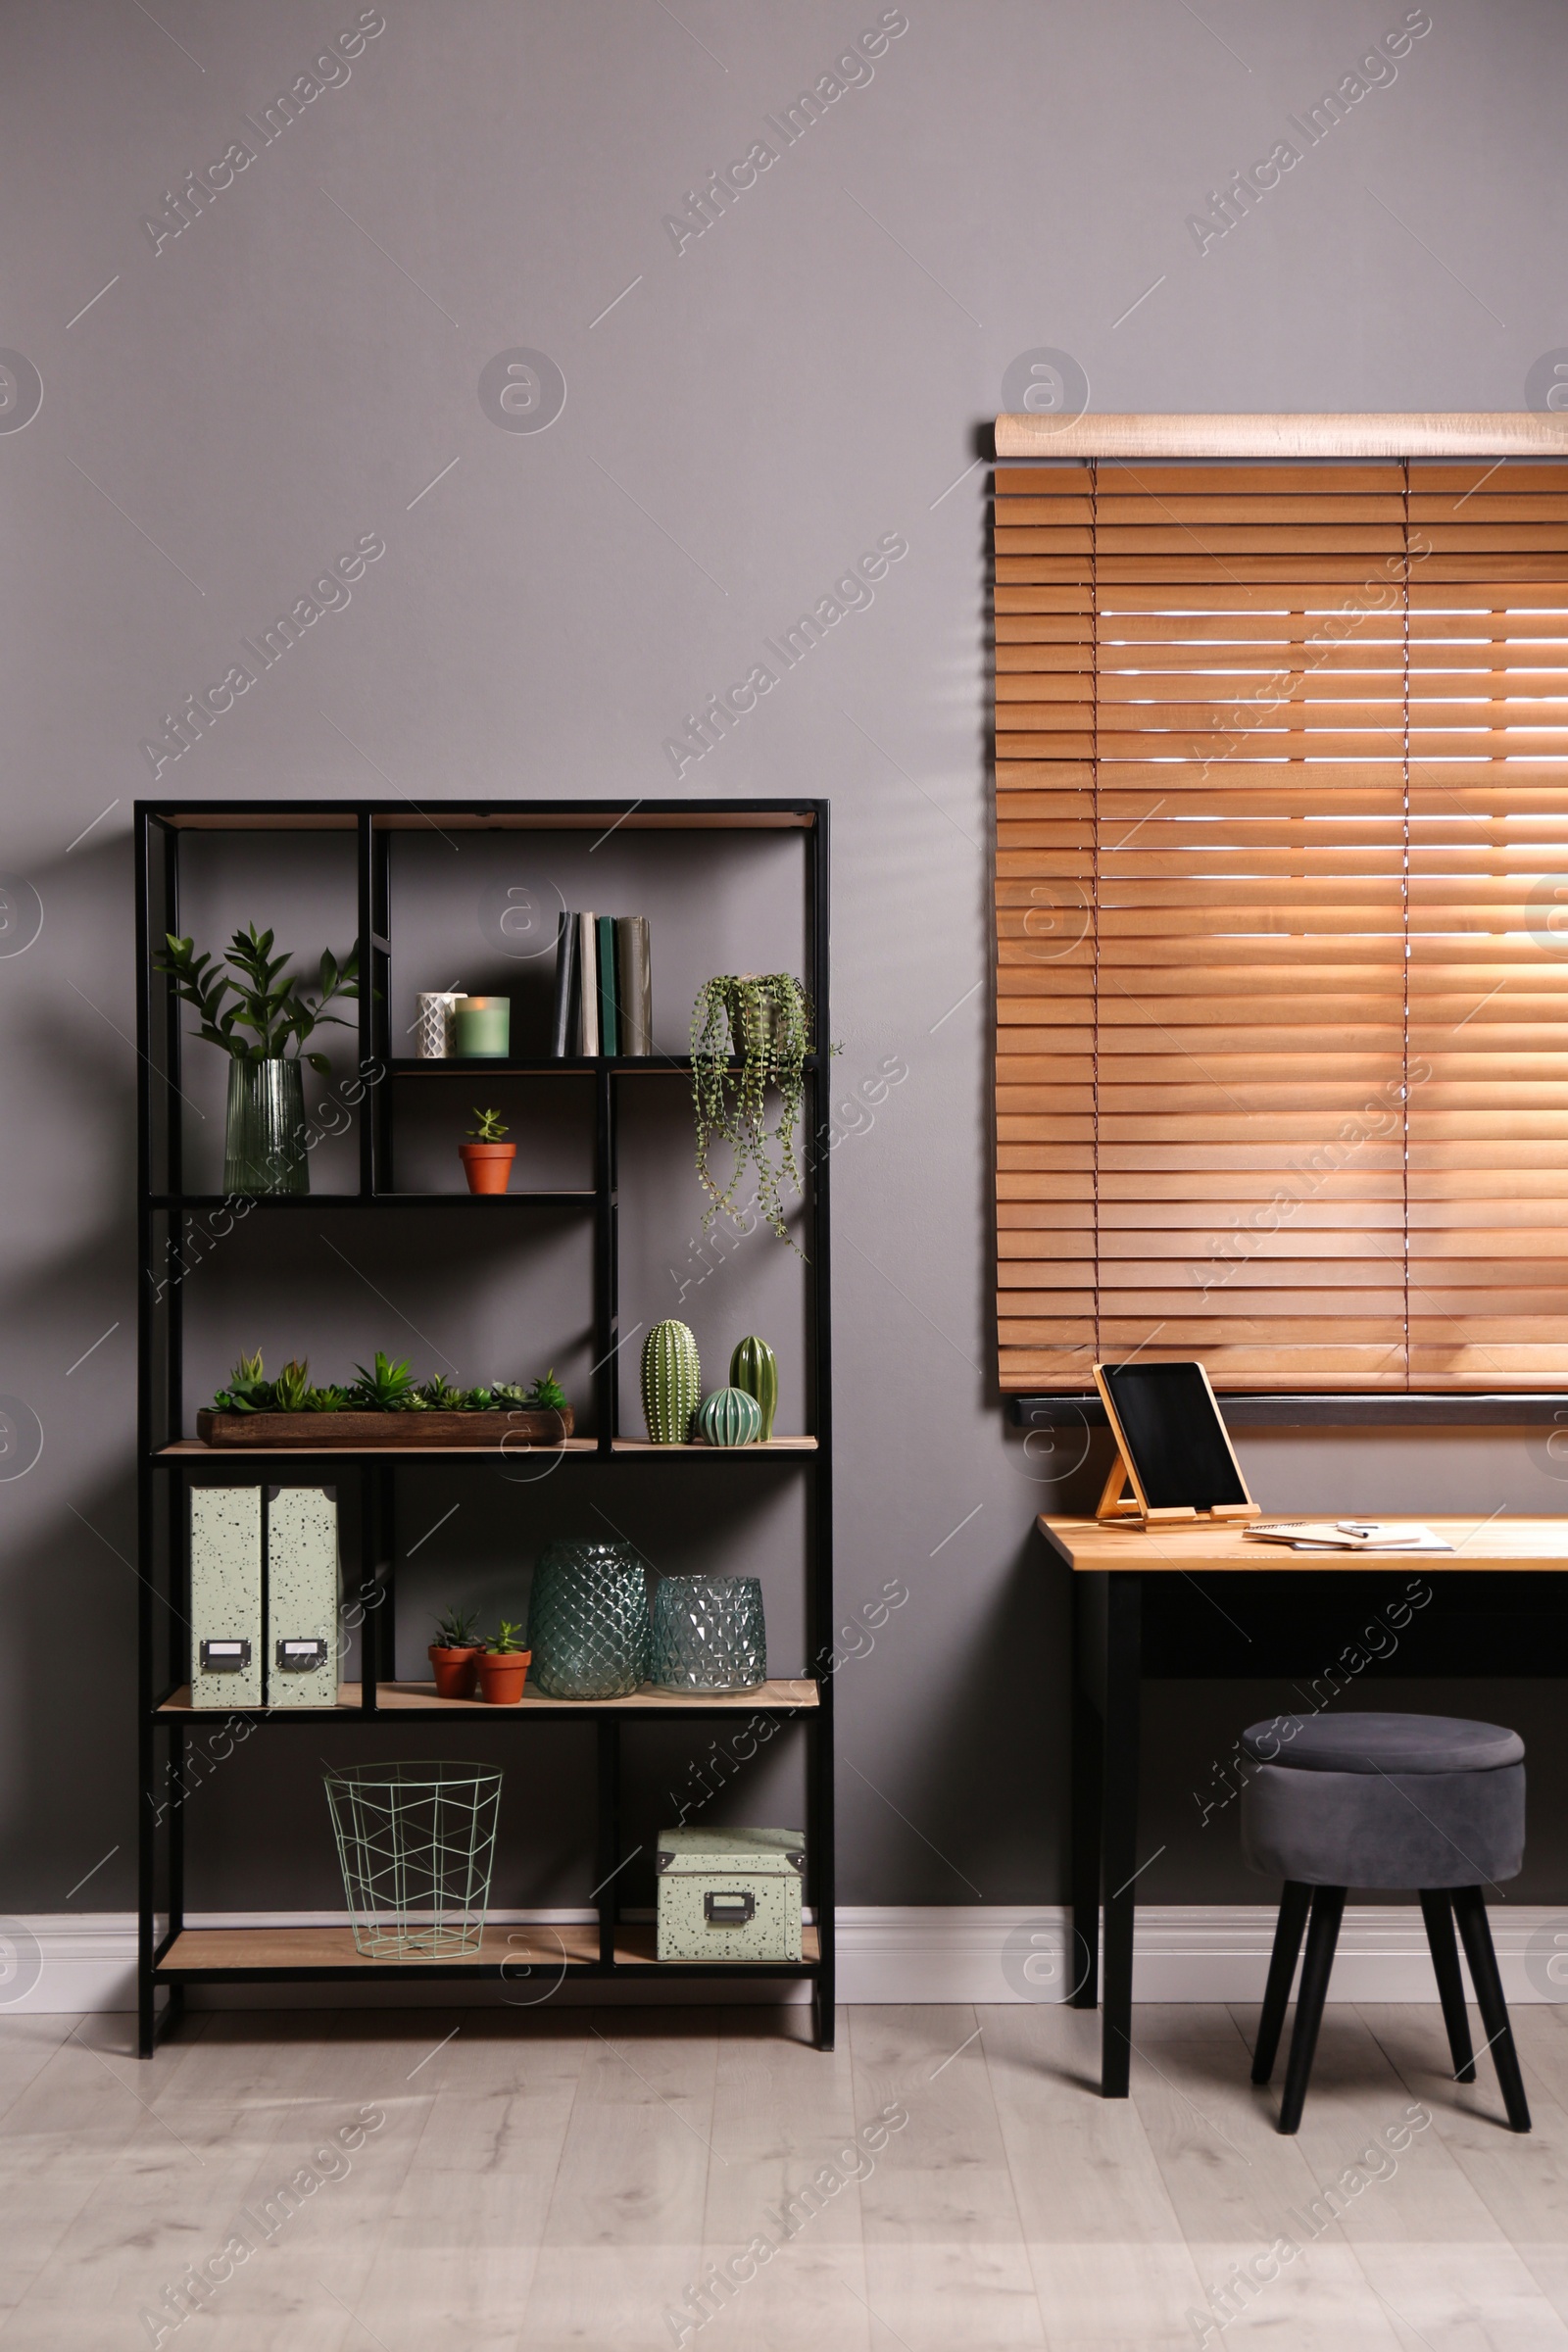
[(503, 1666), (486, 1159), (455, 1654)]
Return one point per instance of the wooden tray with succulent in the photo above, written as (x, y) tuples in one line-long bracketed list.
[(384, 1406)]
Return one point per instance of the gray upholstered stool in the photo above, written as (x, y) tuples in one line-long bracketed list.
[(1428, 1801)]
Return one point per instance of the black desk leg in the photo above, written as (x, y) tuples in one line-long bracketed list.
[(1119, 1824), (1087, 1743)]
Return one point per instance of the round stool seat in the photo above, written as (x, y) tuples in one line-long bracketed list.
[(1373, 1743), (1383, 1800)]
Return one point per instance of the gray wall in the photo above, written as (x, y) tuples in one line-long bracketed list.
[(813, 373)]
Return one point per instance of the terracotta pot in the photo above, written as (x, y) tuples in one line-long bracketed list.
[(456, 1670), (488, 1165), (501, 1674)]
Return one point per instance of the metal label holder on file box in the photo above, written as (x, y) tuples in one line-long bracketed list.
[(1172, 1447)]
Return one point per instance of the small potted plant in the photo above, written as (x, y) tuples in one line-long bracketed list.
[(504, 1667), (455, 1654), (486, 1159)]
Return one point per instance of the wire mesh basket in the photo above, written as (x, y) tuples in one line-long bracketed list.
[(416, 1844)]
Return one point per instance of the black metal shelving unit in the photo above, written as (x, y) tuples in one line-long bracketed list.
[(171, 1956)]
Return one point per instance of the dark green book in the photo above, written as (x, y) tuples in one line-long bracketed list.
[(609, 1009)]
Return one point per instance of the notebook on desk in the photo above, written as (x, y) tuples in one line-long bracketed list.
[(1347, 1534)]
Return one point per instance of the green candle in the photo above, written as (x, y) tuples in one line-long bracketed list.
[(484, 1026)]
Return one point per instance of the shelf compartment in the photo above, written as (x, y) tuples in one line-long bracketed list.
[(419, 1699), (202, 1954)]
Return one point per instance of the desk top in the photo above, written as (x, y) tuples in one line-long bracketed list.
[(1498, 1543)]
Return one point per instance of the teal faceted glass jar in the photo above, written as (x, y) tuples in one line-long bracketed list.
[(708, 1634), (588, 1621)]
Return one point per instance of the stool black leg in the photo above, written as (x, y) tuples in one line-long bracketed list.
[(1470, 1911), (1328, 1908), (1438, 1912), (1281, 1969)]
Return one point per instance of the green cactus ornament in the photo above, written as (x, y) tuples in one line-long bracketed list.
[(729, 1417), (753, 1367), (673, 1383)]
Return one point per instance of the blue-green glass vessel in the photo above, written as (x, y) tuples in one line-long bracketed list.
[(708, 1634), (588, 1621)]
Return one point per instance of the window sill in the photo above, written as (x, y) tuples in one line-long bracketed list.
[(1334, 1409)]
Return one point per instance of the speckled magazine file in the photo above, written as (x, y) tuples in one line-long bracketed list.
[(225, 1596), (301, 1596)]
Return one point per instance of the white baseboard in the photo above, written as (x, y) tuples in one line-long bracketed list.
[(964, 1953)]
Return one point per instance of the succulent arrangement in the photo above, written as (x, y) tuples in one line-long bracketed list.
[(767, 1019), (271, 1009), (462, 1658), (675, 1407), (388, 1387)]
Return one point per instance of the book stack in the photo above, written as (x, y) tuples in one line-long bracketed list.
[(604, 986)]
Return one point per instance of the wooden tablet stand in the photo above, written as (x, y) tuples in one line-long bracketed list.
[(1116, 1504)]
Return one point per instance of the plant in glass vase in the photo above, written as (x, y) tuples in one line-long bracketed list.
[(260, 1015), (765, 1019)]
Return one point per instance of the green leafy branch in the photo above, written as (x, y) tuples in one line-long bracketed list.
[(272, 1008)]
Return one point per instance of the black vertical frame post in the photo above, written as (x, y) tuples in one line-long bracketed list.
[(372, 977), (172, 1418), (1119, 1824), (821, 1472), (606, 1261), (1088, 1758), (146, 1731), (606, 1890), (379, 1648)]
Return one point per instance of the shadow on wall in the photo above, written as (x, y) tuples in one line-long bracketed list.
[(988, 1756)]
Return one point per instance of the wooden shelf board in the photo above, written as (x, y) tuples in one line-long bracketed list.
[(729, 1452), (194, 1203), (399, 1698), (561, 1066), (518, 1946), (193, 1450)]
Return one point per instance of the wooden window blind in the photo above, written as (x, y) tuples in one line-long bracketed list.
[(1282, 914)]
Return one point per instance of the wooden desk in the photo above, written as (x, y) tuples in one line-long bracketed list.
[(1110, 1564)]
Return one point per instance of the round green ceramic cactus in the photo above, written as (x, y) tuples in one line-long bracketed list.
[(673, 1383), (729, 1417), (753, 1367)]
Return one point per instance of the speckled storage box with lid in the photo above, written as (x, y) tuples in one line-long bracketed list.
[(730, 1894)]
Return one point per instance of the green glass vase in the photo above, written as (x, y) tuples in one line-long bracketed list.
[(264, 1143)]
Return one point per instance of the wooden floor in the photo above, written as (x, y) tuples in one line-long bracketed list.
[(566, 2178)]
